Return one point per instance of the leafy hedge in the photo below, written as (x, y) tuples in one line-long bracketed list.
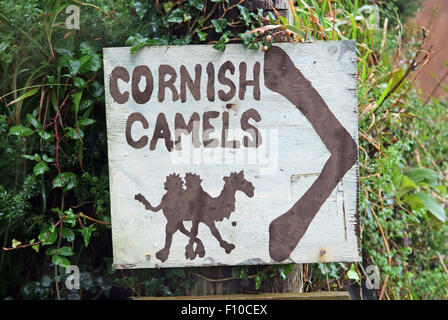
[(54, 200)]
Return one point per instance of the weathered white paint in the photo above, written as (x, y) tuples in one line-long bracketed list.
[(295, 161)]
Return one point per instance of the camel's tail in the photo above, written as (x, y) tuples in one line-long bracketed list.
[(141, 198)]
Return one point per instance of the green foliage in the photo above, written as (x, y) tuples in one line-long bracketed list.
[(402, 156), (405, 8), (54, 197)]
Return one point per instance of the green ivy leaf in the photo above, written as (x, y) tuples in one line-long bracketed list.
[(177, 16), (50, 251), (167, 6), (352, 274), (221, 44), (249, 40), (85, 122), (243, 273), (73, 66), (64, 61), (47, 158), (85, 62), (70, 217), (66, 180), (33, 121), (44, 135), (85, 104), (65, 251), (48, 237), (68, 234), (202, 35), (79, 82), (201, 21), (219, 24), (36, 157), (20, 131), (197, 4), (40, 168), (60, 261), (259, 279), (187, 17), (96, 89), (87, 233), (86, 49), (16, 243), (245, 14), (254, 46), (95, 63), (75, 134)]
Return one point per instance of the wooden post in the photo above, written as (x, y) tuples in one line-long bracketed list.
[(319, 295), (281, 6), (219, 280)]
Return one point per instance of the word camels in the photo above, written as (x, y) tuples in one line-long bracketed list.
[(196, 205)]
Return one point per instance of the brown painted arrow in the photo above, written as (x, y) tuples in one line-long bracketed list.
[(282, 76)]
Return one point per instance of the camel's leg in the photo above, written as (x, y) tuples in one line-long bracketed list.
[(170, 229), (200, 250), (228, 247), (189, 252)]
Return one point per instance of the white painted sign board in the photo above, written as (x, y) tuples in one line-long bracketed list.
[(236, 158)]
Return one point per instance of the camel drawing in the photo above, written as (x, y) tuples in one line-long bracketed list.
[(195, 205)]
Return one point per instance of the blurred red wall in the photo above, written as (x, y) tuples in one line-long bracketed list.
[(439, 38)]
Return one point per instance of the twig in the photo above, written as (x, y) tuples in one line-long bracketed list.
[(92, 219), (273, 9), (294, 13), (326, 275), (93, 6), (228, 278), (127, 283), (383, 288), (386, 244), (158, 7), (212, 11), (435, 88), (442, 263), (21, 246), (57, 282)]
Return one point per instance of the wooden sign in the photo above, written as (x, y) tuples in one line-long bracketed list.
[(236, 158)]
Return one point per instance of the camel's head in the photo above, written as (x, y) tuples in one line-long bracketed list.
[(173, 182), (240, 183), (192, 180)]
